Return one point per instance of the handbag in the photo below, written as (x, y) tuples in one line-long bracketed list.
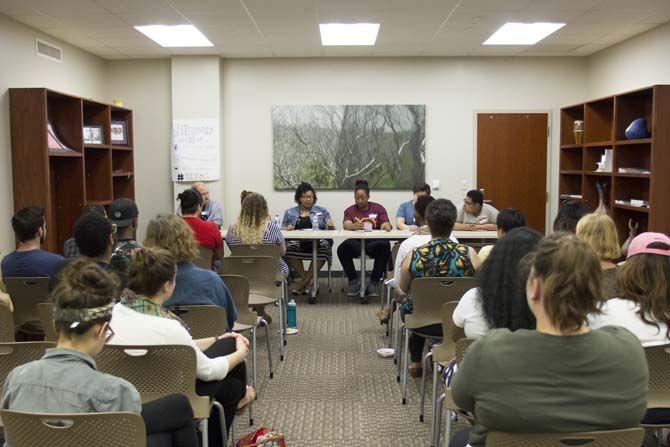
[(263, 437)]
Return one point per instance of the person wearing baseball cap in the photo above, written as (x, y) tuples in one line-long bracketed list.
[(123, 214), (643, 291)]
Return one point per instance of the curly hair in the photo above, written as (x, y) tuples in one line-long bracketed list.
[(645, 280), (302, 188), (502, 283), (189, 199), (171, 233), (253, 219), (150, 268)]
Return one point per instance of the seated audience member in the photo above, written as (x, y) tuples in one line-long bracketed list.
[(300, 218), (568, 215), (194, 285), (474, 214), (220, 371), (94, 235), (500, 299), (29, 260), (561, 377), (206, 233), (404, 218), (65, 379), (439, 257), (70, 249), (211, 209), (123, 214), (599, 231), (355, 218), (643, 292), (507, 219)]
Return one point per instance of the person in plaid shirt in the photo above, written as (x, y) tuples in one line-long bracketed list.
[(70, 248)]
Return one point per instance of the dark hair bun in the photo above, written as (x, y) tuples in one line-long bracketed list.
[(362, 183)]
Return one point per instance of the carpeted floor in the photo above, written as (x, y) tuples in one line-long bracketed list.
[(333, 389)]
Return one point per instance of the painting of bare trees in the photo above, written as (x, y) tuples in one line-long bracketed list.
[(331, 146)]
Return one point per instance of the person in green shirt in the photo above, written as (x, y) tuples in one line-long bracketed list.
[(561, 377)]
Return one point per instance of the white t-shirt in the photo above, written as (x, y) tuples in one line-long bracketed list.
[(407, 247), (470, 316), (134, 328), (623, 313), (487, 215)]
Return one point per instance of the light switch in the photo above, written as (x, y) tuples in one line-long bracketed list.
[(436, 184)]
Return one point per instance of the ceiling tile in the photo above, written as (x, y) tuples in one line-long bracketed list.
[(16, 7), (131, 6), (39, 21), (60, 7), (162, 16), (588, 49)]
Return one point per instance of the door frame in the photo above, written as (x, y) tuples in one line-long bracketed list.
[(549, 206)]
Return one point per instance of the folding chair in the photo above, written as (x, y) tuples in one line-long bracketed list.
[(631, 437), (16, 354), (261, 272), (205, 258), (428, 295), (160, 370), (6, 325), (26, 293), (389, 305), (67, 430), (46, 313), (658, 361)]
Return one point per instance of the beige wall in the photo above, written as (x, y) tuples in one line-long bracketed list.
[(144, 86), (638, 62), (80, 73)]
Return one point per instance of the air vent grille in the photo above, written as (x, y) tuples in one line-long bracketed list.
[(45, 49)]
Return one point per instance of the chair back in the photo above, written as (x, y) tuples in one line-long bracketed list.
[(239, 289), (25, 294), (204, 321), (445, 351), (67, 430), (658, 362), (17, 354), (6, 325), (430, 294), (205, 258), (260, 271), (394, 253), (612, 438), (462, 347), (46, 313), (255, 250)]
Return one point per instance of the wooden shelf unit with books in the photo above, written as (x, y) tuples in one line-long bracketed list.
[(63, 181), (605, 123)]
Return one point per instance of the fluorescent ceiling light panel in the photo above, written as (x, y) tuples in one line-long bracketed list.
[(348, 33), (175, 35), (513, 33)]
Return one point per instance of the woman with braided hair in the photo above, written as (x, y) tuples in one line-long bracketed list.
[(66, 380)]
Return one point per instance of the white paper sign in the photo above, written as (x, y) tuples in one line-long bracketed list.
[(195, 150)]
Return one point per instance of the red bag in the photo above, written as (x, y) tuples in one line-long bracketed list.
[(263, 437)]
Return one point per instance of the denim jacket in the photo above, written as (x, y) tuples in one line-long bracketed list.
[(291, 216)]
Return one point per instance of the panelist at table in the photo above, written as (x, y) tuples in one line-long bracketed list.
[(303, 217), (365, 216), (475, 215)]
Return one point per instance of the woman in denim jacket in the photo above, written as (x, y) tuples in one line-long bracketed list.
[(301, 217)]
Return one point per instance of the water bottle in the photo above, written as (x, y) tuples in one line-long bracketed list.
[(291, 314), (315, 222), (277, 221)]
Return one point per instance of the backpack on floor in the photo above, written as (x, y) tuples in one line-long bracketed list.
[(263, 437)]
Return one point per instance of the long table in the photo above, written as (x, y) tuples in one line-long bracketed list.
[(462, 236)]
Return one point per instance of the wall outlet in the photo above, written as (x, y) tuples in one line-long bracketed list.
[(436, 185)]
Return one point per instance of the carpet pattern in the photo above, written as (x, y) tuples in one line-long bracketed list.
[(333, 389)]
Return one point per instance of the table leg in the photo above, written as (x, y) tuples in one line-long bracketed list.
[(362, 294), (315, 271)]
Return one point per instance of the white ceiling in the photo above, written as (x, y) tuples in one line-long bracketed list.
[(289, 28)]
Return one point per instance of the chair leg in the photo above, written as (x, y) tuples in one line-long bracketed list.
[(390, 329), (204, 428), (434, 397), (282, 330), (222, 421), (253, 355), (424, 367), (267, 342), (330, 278), (438, 423), (405, 366), (659, 435), (398, 348)]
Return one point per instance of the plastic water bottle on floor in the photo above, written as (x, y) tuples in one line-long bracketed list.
[(291, 314)]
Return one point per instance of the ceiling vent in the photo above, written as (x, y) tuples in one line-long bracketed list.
[(45, 49)]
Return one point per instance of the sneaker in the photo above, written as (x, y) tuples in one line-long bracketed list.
[(372, 289), (354, 287)]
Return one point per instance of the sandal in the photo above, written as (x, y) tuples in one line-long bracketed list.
[(247, 400), (415, 370)]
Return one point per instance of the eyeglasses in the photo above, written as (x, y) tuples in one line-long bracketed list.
[(307, 197), (109, 333)]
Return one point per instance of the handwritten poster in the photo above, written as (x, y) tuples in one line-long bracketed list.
[(195, 150)]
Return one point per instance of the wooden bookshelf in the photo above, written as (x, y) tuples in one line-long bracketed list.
[(64, 181), (605, 122)]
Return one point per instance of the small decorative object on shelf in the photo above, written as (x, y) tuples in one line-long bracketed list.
[(93, 135), (637, 129), (605, 163), (118, 103), (53, 142), (634, 171), (601, 209), (119, 132), (578, 130), (633, 202)]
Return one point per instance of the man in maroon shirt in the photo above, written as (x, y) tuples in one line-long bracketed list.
[(206, 232), (365, 215)]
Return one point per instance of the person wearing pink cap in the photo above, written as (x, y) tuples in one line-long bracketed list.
[(643, 289)]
